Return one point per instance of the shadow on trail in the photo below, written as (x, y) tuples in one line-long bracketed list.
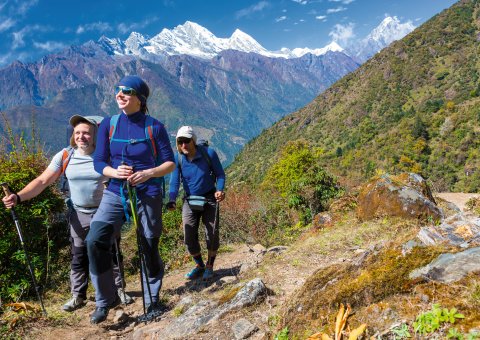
[(199, 285)]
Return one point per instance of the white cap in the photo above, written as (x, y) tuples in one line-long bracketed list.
[(187, 132)]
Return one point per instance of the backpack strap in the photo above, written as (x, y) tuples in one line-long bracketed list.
[(204, 155), (149, 135), (66, 156)]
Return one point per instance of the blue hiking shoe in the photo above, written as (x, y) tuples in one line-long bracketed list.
[(195, 273), (208, 273)]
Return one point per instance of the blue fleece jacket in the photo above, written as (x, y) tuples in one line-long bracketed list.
[(196, 176), (138, 155)]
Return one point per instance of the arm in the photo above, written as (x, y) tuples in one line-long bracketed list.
[(174, 181), (101, 160), (34, 188), (219, 174)]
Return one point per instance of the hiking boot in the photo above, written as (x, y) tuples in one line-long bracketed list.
[(208, 273), (73, 303), (195, 273), (124, 297), (99, 315), (154, 306)]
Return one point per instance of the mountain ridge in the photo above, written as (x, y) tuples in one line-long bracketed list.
[(411, 107)]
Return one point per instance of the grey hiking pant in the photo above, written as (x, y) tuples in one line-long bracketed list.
[(79, 226), (106, 223), (191, 223)]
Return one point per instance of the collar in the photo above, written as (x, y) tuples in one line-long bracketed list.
[(135, 117)]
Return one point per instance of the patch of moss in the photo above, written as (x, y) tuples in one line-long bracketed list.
[(381, 275), (228, 294)]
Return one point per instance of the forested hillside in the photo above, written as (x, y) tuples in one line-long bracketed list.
[(414, 106)]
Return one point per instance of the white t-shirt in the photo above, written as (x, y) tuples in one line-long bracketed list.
[(86, 185)]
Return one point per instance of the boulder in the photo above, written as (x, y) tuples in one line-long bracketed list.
[(448, 268), (405, 196)]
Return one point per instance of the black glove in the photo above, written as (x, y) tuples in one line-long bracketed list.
[(171, 205)]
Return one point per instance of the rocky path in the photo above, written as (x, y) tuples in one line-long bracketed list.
[(457, 198), (282, 269)]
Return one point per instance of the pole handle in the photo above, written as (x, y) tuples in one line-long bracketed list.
[(5, 188)]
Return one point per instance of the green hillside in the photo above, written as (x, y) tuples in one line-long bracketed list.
[(415, 106)]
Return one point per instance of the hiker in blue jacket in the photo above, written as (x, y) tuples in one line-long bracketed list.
[(125, 153), (85, 187), (203, 178)]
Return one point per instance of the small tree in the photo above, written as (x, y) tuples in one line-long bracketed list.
[(298, 178)]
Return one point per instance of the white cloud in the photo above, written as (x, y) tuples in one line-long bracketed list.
[(124, 28), (301, 2), (345, 2), (342, 33), (19, 36), (283, 17), (321, 17), (94, 26), (18, 40), (252, 9), (49, 46), (336, 10), (25, 6), (6, 24)]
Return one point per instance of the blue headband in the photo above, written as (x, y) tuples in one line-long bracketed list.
[(135, 82)]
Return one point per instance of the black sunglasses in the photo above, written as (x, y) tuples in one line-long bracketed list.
[(181, 141), (128, 91)]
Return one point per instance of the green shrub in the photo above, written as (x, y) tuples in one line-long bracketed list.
[(44, 232)]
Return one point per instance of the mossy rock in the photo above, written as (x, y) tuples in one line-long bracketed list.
[(381, 275)]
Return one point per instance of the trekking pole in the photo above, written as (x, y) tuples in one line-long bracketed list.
[(7, 192), (217, 217), (132, 196), (117, 251)]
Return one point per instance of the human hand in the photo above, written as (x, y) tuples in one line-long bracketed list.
[(10, 201), (139, 177), (219, 196), (171, 206), (124, 171)]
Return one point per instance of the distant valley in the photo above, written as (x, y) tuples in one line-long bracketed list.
[(228, 89)]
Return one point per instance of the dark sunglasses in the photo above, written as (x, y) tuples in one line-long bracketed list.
[(128, 91), (181, 141)]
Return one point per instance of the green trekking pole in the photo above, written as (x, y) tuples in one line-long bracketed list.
[(7, 192), (132, 196)]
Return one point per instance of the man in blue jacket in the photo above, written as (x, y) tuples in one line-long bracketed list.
[(203, 178)]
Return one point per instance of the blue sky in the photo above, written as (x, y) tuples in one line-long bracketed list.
[(30, 29)]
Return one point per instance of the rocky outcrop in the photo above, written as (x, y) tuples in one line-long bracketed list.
[(406, 196), (458, 230), (206, 312), (449, 268)]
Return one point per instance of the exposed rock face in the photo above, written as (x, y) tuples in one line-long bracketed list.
[(205, 312), (458, 230), (405, 196), (449, 268)]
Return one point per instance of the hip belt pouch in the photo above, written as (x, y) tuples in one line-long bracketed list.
[(196, 203)]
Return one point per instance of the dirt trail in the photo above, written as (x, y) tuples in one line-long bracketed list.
[(283, 272), (458, 198)]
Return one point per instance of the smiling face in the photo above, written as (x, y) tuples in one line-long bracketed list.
[(128, 103), (83, 135)]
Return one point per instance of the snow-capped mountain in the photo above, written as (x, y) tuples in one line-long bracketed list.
[(389, 30), (197, 41)]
